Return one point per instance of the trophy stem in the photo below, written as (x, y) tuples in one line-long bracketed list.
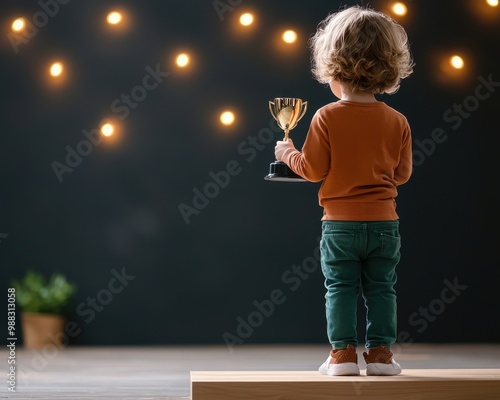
[(287, 131)]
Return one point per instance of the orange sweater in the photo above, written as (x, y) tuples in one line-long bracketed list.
[(361, 151)]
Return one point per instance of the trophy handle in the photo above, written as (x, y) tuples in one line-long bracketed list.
[(304, 109), (271, 109)]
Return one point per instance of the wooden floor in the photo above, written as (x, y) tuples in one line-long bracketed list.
[(164, 372)]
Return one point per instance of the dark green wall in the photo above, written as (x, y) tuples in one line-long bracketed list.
[(249, 252)]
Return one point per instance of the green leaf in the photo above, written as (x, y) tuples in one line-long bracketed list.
[(34, 293)]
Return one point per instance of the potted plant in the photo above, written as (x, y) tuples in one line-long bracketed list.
[(44, 303)]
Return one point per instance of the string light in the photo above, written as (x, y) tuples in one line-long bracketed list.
[(492, 3), (107, 129), (289, 36), (457, 62), (399, 8), (56, 69), (246, 19), (227, 118), (18, 25), (114, 18), (182, 60)]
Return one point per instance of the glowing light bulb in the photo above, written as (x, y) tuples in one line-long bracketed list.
[(457, 62), (18, 25), (56, 69), (493, 3), (289, 36), (399, 9), (246, 19), (107, 129), (182, 60), (114, 18), (227, 118)]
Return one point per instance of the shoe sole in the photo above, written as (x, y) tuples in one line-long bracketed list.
[(343, 369), (379, 369)]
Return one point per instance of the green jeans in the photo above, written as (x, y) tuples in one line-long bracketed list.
[(360, 256)]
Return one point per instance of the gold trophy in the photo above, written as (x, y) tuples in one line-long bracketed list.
[(287, 111)]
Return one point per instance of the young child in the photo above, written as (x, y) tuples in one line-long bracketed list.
[(361, 149)]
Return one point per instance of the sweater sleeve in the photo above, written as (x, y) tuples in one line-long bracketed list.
[(313, 162), (403, 171)]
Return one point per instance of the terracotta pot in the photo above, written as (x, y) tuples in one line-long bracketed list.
[(40, 330)]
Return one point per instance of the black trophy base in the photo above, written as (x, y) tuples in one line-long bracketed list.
[(279, 172)]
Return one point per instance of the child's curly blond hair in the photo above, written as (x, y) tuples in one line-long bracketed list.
[(363, 48)]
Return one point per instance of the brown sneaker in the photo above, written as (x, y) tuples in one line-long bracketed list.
[(341, 362), (380, 361)]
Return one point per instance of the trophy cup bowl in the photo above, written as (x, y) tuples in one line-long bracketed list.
[(287, 111)]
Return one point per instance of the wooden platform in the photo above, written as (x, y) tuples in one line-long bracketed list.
[(441, 384)]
